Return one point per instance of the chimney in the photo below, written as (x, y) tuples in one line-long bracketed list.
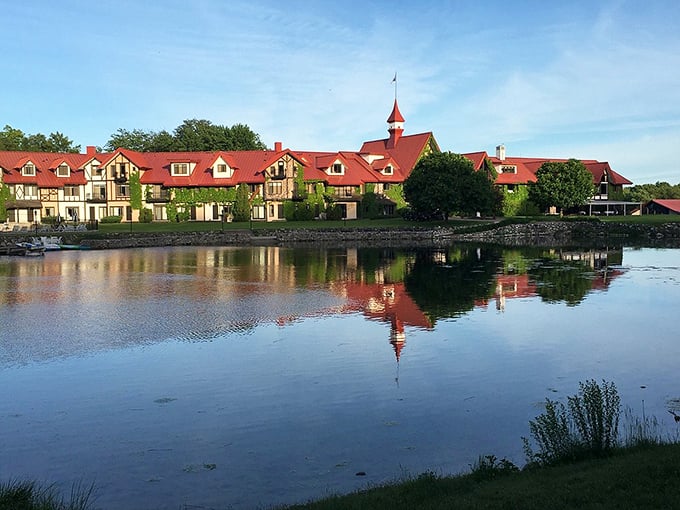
[(91, 150), (277, 147), (500, 152)]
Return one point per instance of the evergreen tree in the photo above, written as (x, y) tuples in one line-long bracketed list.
[(242, 204)]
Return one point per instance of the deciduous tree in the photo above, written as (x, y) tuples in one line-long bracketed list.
[(443, 183), (562, 185)]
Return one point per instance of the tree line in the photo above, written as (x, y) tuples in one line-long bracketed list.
[(192, 135)]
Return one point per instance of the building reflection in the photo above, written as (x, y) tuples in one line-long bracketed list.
[(247, 286)]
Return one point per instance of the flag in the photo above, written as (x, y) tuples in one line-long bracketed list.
[(394, 80)]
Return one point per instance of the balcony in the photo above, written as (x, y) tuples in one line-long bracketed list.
[(158, 196), (95, 198)]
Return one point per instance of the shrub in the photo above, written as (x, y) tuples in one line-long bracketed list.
[(334, 212), (145, 215), (587, 427), (595, 411), (488, 467), (111, 219)]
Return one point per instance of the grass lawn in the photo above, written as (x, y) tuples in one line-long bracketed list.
[(632, 478), (200, 226)]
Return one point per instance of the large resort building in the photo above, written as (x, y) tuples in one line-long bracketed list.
[(202, 186)]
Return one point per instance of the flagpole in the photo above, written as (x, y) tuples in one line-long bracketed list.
[(394, 80)]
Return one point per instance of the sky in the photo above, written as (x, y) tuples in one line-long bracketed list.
[(589, 79)]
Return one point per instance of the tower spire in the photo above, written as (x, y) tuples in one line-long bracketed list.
[(395, 124)]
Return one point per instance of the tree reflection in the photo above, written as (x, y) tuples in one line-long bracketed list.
[(447, 282), (569, 276)]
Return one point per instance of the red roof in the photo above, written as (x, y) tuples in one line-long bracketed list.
[(477, 159), (396, 115), (670, 203), (527, 168), (408, 150), (45, 163)]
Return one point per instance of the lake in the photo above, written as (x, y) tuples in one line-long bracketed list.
[(251, 377)]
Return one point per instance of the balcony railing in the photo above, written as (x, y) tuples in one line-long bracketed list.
[(96, 198), (158, 196)]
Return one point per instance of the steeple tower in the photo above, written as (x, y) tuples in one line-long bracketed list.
[(395, 124)]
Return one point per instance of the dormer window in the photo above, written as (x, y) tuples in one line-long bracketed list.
[(28, 169), (337, 168), (63, 170), (222, 170), (388, 170), (180, 169), (508, 169)]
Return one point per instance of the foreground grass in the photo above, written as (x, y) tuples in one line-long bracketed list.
[(646, 477), (641, 477), (20, 495)]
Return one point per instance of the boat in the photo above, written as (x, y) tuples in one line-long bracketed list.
[(29, 249), (51, 243)]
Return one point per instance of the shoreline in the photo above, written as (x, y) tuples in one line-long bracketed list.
[(535, 233)]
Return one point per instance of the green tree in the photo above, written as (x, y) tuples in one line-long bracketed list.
[(4, 197), (243, 138), (11, 139), (135, 191), (562, 185), (192, 135), (15, 140), (242, 203), (443, 183), (136, 140), (647, 192)]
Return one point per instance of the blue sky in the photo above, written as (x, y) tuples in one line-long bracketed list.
[(587, 79)]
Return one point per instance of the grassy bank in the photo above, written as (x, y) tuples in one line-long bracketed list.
[(642, 477)]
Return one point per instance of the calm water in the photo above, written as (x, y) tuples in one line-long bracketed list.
[(239, 378)]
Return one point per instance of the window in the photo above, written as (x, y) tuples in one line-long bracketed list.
[(99, 192), (63, 170), (95, 168), (274, 188), (258, 212), (222, 169), (49, 211), (116, 211), (122, 169), (336, 168), (507, 169), (388, 170), (281, 169), (346, 191), (71, 191), (122, 191), (29, 169), (30, 191), (180, 169), (386, 186)]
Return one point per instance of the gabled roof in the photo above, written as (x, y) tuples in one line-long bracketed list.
[(527, 168), (13, 161), (671, 204), (136, 158), (408, 150), (477, 159)]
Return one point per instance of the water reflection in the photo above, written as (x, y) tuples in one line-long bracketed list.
[(275, 367), (119, 298)]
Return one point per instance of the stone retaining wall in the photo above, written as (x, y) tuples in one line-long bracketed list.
[(546, 233)]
